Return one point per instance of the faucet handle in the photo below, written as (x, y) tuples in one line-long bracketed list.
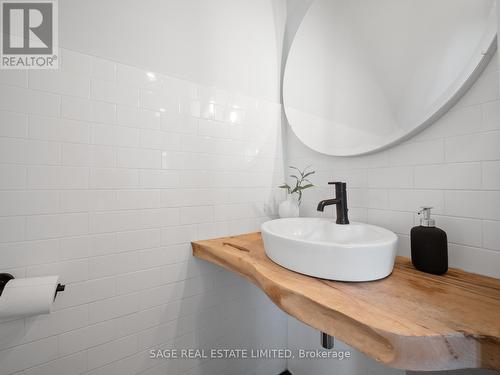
[(338, 185)]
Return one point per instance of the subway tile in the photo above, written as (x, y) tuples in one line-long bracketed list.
[(101, 222), (56, 322), (132, 76), (160, 140), (212, 230), (491, 234), (460, 230), (52, 177), (76, 108), (138, 158), (398, 222), (83, 155), (86, 292), (200, 214), (69, 272), (113, 307), (103, 112), (474, 204), (485, 89), (59, 82), (50, 226), (395, 177), (87, 200), (138, 118), (355, 178), (375, 198), (24, 356), (167, 293), (71, 365), (155, 336), (214, 129), (491, 175), (28, 202), (110, 352), (75, 63), (24, 151), (412, 200), (13, 124), (89, 336), (29, 253), (114, 93), (136, 240), (491, 116), (47, 226), (112, 178), (242, 226), (88, 110), (111, 265), (475, 147), (230, 212), (159, 100), (62, 130), (29, 101), (178, 123), (86, 246), (159, 179), (115, 135), (178, 234), (137, 199), (416, 153), (474, 260), (14, 78), (13, 177), (457, 121), (448, 176), (102, 69), (150, 258), (137, 281), (11, 333), (12, 228)]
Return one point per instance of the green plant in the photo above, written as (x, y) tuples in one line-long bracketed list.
[(299, 181)]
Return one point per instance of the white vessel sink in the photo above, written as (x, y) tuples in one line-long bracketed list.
[(321, 248)]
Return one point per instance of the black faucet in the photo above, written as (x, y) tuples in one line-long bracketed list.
[(340, 200)]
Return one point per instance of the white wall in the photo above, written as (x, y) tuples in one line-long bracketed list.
[(454, 165), (231, 44), (107, 171)]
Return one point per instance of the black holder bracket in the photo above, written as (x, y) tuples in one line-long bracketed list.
[(59, 288), (4, 279)]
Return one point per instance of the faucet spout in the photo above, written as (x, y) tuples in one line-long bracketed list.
[(326, 202)]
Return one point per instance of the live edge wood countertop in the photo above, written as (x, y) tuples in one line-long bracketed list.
[(409, 320)]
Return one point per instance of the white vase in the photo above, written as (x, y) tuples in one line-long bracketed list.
[(289, 208)]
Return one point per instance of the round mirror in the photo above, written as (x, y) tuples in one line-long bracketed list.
[(362, 75)]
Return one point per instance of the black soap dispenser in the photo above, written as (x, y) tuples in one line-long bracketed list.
[(429, 245)]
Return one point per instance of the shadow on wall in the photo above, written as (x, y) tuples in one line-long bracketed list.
[(234, 314)]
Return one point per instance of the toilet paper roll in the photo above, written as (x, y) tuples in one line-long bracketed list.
[(27, 297)]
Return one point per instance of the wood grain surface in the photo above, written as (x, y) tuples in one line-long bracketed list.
[(409, 320)]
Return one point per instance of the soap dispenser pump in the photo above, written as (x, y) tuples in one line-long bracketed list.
[(429, 245)]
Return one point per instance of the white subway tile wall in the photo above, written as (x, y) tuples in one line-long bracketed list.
[(107, 172), (454, 165)]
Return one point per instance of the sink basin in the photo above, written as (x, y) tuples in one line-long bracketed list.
[(321, 248)]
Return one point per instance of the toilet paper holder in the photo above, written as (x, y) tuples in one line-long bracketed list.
[(6, 277)]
